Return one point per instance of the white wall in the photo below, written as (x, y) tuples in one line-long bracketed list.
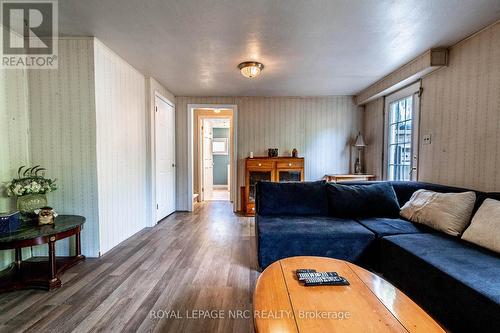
[(121, 147), (321, 128), (63, 135)]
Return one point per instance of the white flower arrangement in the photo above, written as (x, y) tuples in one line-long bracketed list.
[(31, 181)]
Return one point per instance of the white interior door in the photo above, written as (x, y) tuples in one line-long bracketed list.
[(208, 162), (165, 158)]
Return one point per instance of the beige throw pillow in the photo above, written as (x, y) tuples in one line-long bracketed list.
[(485, 227), (446, 212)]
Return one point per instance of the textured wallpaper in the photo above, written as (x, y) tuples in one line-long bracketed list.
[(89, 127), (373, 124), (63, 138), (14, 143), (460, 109), (321, 128)]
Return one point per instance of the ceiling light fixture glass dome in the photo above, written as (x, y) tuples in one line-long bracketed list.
[(250, 68)]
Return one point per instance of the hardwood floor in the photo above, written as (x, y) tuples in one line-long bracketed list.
[(205, 260)]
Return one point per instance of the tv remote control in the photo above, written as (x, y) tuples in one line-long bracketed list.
[(303, 276), (323, 281), (305, 270)]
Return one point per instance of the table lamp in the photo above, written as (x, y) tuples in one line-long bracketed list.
[(360, 143)]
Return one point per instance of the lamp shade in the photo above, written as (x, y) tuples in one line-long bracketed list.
[(360, 142)]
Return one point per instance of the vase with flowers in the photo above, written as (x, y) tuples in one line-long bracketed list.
[(30, 189)]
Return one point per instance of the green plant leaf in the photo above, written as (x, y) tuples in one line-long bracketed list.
[(19, 171), (26, 171), (33, 170)]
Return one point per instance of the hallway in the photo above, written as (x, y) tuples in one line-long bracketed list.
[(205, 260), (219, 195)]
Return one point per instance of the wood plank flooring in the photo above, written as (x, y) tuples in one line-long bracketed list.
[(205, 260)]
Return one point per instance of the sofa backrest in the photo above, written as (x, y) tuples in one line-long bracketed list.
[(310, 198), (291, 198), (405, 189)]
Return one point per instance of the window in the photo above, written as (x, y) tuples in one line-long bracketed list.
[(401, 135), (220, 146)]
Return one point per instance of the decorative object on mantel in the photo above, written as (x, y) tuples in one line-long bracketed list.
[(30, 189), (272, 152), (360, 144), (251, 154), (46, 215), (295, 152)]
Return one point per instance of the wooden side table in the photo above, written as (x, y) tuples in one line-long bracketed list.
[(40, 272), (347, 178)]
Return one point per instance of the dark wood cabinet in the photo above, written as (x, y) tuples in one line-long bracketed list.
[(274, 169)]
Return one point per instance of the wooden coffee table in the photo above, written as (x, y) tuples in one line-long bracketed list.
[(369, 304)]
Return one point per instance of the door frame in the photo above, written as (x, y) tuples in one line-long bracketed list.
[(200, 157), (412, 89), (190, 151), (153, 157)]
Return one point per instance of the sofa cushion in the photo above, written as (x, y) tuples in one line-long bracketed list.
[(484, 229), (375, 200), (291, 198), (405, 189), (287, 236), (446, 212), (457, 282), (383, 226)]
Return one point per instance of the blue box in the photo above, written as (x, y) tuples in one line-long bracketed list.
[(9, 222)]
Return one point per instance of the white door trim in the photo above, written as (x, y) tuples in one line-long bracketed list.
[(153, 154), (412, 89), (234, 162)]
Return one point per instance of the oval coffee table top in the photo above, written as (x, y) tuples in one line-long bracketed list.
[(368, 304)]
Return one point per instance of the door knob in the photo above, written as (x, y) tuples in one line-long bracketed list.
[(260, 164), (289, 164)]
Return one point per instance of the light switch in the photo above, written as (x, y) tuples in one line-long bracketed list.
[(427, 139)]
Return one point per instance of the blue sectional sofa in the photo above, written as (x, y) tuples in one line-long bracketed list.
[(457, 282)]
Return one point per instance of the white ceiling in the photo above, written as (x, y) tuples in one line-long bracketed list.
[(308, 47)]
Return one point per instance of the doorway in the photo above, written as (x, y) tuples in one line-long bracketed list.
[(164, 157), (213, 154), (402, 134), (215, 159)]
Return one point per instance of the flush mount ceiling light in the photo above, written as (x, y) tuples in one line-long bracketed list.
[(250, 68)]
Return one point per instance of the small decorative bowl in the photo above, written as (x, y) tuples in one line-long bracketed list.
[(46, 215)]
